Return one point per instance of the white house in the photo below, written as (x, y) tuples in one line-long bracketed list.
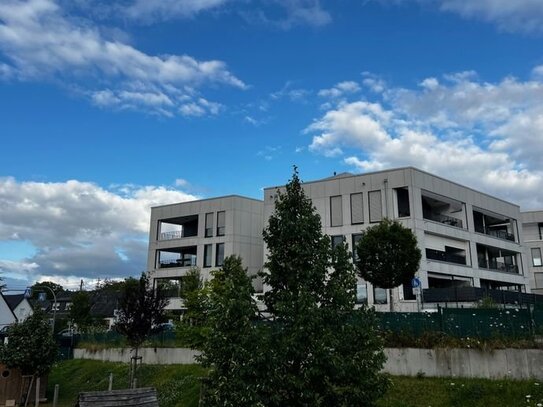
[(7, 316), (20, 306)]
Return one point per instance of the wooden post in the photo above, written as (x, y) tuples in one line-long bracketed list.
[(37, 400), (55, 396), (135, 383), (110, 386)]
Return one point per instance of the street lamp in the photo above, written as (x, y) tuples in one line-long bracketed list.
[(28, 294)]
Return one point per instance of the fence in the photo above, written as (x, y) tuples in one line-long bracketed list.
[(512, 323)]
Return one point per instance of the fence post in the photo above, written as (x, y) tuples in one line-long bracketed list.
[(37, 399), (110, 385), (55, 396)]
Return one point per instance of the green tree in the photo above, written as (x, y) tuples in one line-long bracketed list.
[(388, 255), (80, 311), (140, 308), (30, 347), (193, 328), (231, 349), (320, 351)]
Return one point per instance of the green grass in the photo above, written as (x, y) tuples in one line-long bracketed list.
[(178, 385)]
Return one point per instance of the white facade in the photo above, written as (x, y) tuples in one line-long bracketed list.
[(532, 226), (467, 238), (23, 310), (201, 234), (6, 315)]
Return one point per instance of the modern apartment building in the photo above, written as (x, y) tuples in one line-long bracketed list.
[(201, 234), (467, 238), (532, 226)]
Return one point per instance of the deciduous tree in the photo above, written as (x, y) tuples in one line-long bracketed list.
[(388, 255)]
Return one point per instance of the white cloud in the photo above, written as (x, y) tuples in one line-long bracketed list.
[(79, 229), (340, 89), (484, 135), (508, 15), (40, 41), (150, 10), (180, 182), (294, 13)]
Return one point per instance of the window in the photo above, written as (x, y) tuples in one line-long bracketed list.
[(536, 257), (55, 306), (402, 200), (207, 255), (361, 293), (356, 238), (376, 209), (220, 223), (68, 306), (336, 211), (357, 208), (219, 254), (336, 240), (379, 295), (209, 225), (540, 231)]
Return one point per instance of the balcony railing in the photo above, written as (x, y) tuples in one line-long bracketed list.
[(432, 254), (447, 220), (500, 234), (174, 234), (186, 262), (498, 266)]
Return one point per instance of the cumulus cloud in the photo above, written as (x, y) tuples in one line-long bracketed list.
[(40, 41), (79, 229), (481, 134)]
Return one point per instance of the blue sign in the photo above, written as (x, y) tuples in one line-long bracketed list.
[(415, 282)]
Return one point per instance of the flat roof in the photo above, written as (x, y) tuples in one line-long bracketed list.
[(345, 175), (209, 199)]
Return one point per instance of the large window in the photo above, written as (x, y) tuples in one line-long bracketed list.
[(361, 293), (336, 211), (336, 240), (209, 224), (540, 225), (379, 295), (221, 218), (219, 254), (376, 206), (208, 256), (536, 257), (356, 238), (402, 202), (357, 208)]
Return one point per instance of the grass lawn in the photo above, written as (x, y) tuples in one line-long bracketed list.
[(178, 385)]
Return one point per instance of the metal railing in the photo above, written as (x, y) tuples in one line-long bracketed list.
[(447, 220), (432, 254), (498, 266), (500, 234), (186, 262), (174, 234)]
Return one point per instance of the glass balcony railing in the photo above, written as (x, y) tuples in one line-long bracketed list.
[(432, 254), (447, 220), (498, 266)]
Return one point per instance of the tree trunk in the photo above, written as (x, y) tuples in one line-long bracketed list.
[(391, 295)]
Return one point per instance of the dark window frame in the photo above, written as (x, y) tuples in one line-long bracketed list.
[(206, 248), (221, 229), (332, 210), (217, 252), (361, 194), (533, 258), (208, 230)]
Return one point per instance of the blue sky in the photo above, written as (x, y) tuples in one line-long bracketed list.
[(107, 108)]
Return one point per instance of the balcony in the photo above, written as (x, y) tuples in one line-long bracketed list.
[(177, 257), (499, 266), (447, 257), (493, 258), (178, 228), (443, 210), (494, 225), (181, 262)]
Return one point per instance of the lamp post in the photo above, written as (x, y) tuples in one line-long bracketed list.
[(28, 294)]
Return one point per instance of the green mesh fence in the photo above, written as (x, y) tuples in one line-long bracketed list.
[(464, 322)]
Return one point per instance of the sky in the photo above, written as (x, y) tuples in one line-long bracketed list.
[(110, 107)]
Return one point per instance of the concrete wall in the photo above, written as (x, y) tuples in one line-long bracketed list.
[(151, 356), (502, 363)]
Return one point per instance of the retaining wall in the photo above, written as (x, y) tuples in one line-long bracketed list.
[(501, 363)]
